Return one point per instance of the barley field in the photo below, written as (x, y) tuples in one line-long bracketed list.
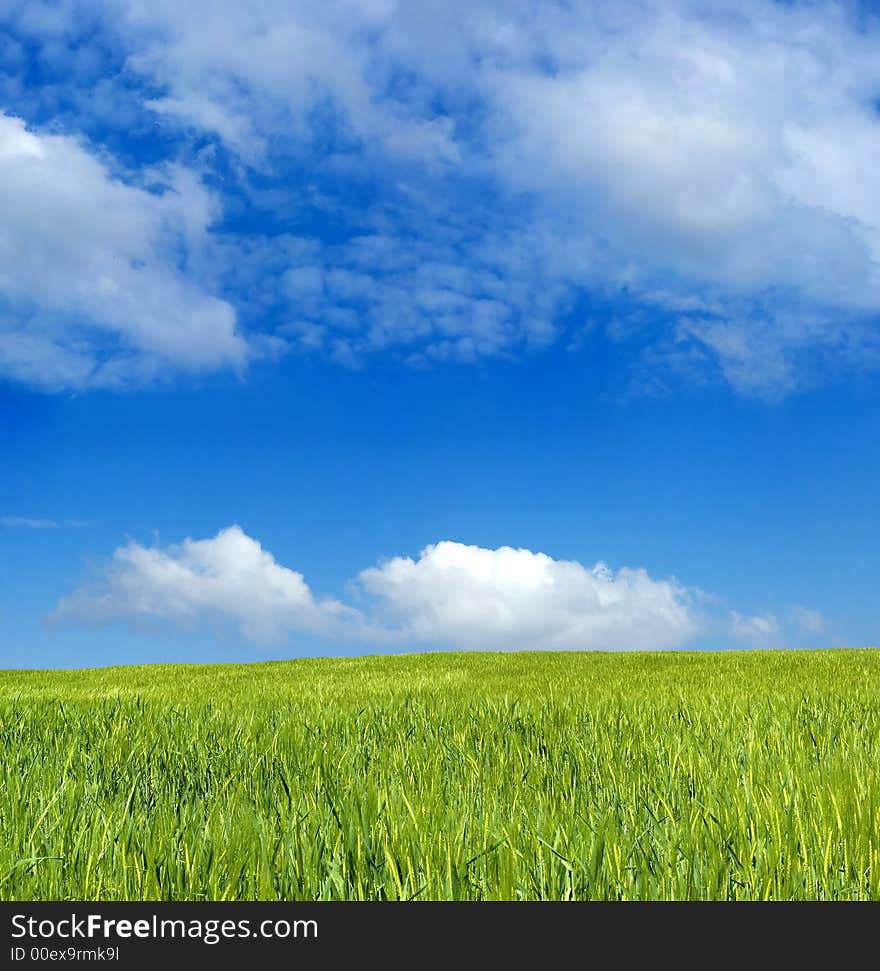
[(748, 775)]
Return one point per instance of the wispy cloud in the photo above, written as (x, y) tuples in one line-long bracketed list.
[(810, 621), (28, 522), (25, 522), (760, 630), (797, 625)]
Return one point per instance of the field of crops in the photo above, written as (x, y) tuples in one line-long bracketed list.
[(476, 776)]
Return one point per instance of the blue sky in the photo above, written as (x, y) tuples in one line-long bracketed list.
[(341, 328)]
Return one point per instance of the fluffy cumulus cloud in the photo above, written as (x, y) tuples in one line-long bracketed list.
[(227, 582), (451, 596), (469, 597), (476, 163), (91, 290)]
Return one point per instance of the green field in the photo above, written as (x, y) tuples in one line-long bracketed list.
[(477, 776)]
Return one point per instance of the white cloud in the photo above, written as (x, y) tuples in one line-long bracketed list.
[(438, 297), (799, 625), (247, 71), (760, 630), (807, 620), (707, 142), (724, 153), (29, 522), (475, 598), (91, 292), (229, 580), (26, 522), (451, 596)]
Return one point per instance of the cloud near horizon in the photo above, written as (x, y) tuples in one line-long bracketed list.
[(451, 596), (470, 597), (227, 581)]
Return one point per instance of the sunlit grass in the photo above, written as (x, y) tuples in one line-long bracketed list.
[(476, 776)]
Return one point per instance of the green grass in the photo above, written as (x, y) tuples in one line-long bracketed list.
[(476, 776)]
